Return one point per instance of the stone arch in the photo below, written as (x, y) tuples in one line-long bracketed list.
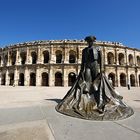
[(112, 76), (34, 57), (21, 79), (121, 59), (46, 56), (32, 79), (3, 79), (13, 58), (23, 57), (71, 78), (130, 58), (110, 58), (11, 78), (58, 79), (72, 56), (123, 79), (138, 60), (132, 80), (45, 79), (58, 56)]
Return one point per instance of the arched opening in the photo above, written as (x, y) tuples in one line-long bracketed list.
[(138, 60), (34, 57), (110, 58), (32, 79), (13, 58), (112, 76), (72, 57), (3, 79), (71, 78), (11, 76), (121, 59), (130, 57), (58, 56), (21, 79), (58, 79), (23, 57), (46, 56), (45, 79), (123, 80), (139, 80), (132, 80)]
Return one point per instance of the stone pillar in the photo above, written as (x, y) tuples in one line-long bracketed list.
[(78, 55), (39, 56), (118, 78), (135, 62), (66, 56), (126, 54), (7, 78), (136, 75), (52, 55), (116, 56), (18, 62), (51, 77), (8, 61), (16, 77), (105, 56), (27, 56), (65, 78), (27, 77), (38, 77)]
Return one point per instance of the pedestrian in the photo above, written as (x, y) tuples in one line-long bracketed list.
[(128, 85)]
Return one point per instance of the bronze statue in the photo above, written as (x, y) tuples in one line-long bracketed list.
[(92, 96)]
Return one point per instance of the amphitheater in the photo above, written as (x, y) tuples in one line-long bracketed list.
[(58, 62)]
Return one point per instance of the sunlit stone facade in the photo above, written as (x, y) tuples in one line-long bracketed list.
[(57, 63)]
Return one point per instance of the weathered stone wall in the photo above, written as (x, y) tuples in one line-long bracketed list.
[(57, 63)]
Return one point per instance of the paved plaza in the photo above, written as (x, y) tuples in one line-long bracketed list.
[(28, 113)]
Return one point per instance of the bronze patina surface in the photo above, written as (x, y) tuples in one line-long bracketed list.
[(92, 96)]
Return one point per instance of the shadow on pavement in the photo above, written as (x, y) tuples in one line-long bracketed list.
[(55, 100)]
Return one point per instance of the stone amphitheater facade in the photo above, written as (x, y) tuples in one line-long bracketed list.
[(58, 62)]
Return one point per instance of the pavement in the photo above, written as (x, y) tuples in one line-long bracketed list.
[(28, 113)]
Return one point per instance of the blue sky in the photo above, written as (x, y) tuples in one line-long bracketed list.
[(108, 20)]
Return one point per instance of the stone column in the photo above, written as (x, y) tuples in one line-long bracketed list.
[(118, 78), (105, 56), (38, 77), (116, 56), (65, 78), (7, 78), (39, 56), (27, 77), (52, 55), (17, 57), (136, 75), (51, 77), (66, 60), (78, 55), (8, 61), (16, 77), (27, 56), (126, 54), (135, 62)]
